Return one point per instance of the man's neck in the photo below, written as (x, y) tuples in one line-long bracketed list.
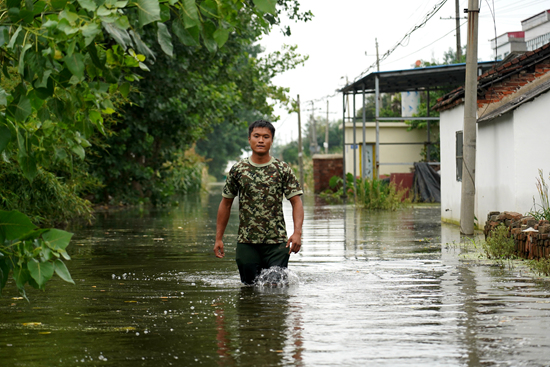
[(260, 159)]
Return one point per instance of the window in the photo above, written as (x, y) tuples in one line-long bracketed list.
[(459, 143)]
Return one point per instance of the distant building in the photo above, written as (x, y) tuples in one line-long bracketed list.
[(535, 32), (507, 43)]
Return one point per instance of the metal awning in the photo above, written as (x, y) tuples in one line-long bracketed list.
[(431, 77)]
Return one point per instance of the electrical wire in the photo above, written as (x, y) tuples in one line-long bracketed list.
[(403, 42), (405, 38), (428, 45)]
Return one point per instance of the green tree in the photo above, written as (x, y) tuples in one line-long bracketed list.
[(69, 66), (186, 97), (390, 106)]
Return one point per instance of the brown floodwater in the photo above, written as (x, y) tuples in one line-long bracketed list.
[(368, 288)]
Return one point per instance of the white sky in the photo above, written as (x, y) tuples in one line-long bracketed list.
[(342, 31)]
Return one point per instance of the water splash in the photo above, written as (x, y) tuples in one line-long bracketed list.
[(276, 277)]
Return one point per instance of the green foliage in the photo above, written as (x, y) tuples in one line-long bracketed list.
[(390, 106), (289, 152), (499, 244), (52, 199), (31, 255), (334, 135), (69, 66), (372, 194), (223, 144), (194, 95), (542, 210), (540, 266), (185, 174)]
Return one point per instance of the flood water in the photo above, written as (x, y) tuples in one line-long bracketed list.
[(380, 289)]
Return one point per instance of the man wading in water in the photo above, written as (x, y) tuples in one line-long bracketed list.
[(260, 182)]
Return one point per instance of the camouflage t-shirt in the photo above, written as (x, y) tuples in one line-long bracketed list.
[(260, 188)]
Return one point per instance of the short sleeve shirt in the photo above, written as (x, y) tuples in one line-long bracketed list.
[(260, 188)]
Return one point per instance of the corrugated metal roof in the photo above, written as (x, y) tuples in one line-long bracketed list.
[(431, 77)]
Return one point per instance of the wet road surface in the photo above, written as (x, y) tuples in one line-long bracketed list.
[(380, 289)]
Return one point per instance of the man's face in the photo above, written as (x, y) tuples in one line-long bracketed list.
[(260, 140)]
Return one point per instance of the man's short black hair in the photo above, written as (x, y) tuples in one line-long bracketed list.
[(261, 123)]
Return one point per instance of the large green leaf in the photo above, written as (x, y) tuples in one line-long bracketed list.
[(57, 239), (90, 31), (190, 13), (21, 68), (267, 6), (5, 137), (41, 272), (141, 46), (121, 36), (165, 39), (188, 36), (148, 11), (220, 36), (27, 162), (13, 225), (75, 64), (62, 271), (13, 39), (208, 36), (89, 5), (21, 276), (23, 109)]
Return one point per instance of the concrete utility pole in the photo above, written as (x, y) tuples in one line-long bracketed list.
[(326, 133), (314, 147), (467, 203), (377, 58), (457, 18), (300, 153)]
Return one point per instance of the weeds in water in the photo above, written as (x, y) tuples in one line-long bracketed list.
[(499, 246), (372, 194), (540, 266), (542, 210)]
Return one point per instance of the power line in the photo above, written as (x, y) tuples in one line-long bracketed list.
[(406, 37), (428, 45)]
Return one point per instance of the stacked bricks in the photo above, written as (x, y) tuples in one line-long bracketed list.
[(324, 167), (529, 245)]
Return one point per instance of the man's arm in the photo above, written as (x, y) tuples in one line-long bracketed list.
[(295, 241), (224, 211)]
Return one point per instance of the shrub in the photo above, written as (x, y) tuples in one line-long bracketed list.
[(372, 194), (51, 200), (540, 266), (542, 210), (499, 245)]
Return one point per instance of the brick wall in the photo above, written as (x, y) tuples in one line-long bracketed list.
[(324, 167)]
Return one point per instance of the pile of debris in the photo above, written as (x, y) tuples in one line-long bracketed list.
[(530, 235)]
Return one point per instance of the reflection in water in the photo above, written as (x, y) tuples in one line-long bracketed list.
[(376, 288), (263, 329)]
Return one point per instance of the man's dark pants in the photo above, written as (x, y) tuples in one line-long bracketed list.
[(252, 258)]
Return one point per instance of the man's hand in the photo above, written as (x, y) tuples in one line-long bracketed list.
[(294, 243), (218, 249)]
